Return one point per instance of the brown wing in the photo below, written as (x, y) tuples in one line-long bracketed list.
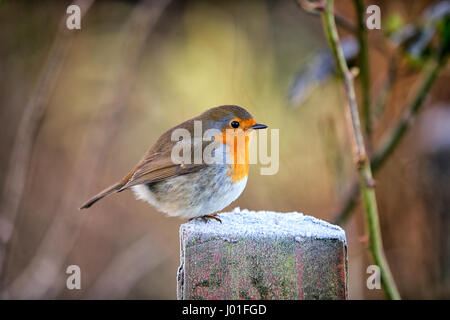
[(158, 167)]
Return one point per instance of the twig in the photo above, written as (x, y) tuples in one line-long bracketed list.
[(364, 70), (378, 42), (315, 8), (392, 139), (348, 204), (387, 86), (363, 163)]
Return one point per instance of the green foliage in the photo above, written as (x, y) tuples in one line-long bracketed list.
[(444, 36), (394, 22)]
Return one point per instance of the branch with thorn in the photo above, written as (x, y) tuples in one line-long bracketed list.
[(364, 170)]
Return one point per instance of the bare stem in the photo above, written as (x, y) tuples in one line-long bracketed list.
[(386, 89), (364, 66), (391, 141), (363, 165), (315, 8), (393, 138)]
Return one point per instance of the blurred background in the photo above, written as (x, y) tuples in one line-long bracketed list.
[(78, 108)]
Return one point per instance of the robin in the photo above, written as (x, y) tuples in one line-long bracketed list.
[(194, 189)]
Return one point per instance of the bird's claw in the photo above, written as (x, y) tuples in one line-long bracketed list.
[(207, 217)]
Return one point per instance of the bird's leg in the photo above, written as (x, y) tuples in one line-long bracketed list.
[(207, 217), (210, 217)]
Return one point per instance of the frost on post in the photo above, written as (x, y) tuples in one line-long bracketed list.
[(262, 255)]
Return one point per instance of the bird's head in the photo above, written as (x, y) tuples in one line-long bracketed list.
[(231, 118)]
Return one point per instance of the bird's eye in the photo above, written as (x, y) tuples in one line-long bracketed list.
[(234, 124)]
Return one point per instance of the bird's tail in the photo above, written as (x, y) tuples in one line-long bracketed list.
[(110, 190)]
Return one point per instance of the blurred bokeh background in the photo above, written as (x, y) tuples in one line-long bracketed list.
[(78, 108)]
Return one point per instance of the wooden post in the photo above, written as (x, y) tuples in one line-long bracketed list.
[(262, 255)]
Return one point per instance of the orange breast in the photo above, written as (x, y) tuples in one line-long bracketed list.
[(240, 158), (238, 148)]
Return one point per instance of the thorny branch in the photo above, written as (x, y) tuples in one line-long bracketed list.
[(363, 164)]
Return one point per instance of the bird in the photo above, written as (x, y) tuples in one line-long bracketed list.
[(192, 188)]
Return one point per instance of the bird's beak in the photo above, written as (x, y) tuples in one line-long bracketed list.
[(258, 126)]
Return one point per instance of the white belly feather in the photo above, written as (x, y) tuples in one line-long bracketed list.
[(195, 194), (175, 203)]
